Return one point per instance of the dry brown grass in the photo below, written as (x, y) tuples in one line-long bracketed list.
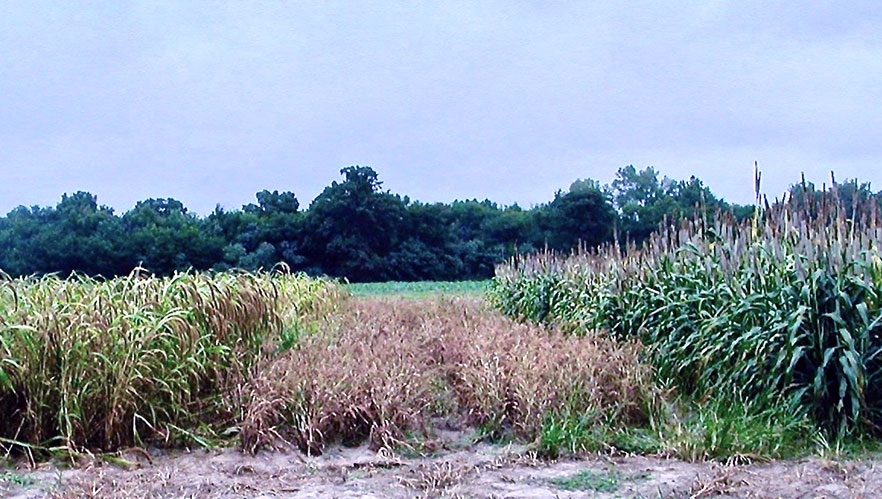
[(381, 369), (369, 373), (511, 377)]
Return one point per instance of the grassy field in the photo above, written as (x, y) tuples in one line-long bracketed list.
[(423, 289), (714, 341), (258, 359)]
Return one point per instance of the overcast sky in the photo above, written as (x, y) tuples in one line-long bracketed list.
[(210, 102)]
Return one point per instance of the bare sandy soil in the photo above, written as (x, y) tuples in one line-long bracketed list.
[(468, 470)]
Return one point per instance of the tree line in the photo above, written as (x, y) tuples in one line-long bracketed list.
[(354, 229)]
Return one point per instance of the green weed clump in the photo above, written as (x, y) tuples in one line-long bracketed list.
[(784, 309), (102, 364), (607, 481), (418, 289)]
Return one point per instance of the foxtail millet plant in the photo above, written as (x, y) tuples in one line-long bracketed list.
[(101, 364)]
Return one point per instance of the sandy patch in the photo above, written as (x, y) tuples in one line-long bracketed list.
[(475, 470)]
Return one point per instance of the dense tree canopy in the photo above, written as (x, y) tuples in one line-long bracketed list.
[(353, 229)]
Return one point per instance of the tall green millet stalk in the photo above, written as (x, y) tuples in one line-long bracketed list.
[(785, 308), (101, 364)]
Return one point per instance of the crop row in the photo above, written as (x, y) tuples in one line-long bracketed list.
[(101, 364), (783, 309)]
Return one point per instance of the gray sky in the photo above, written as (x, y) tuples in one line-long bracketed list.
[(209, 102)]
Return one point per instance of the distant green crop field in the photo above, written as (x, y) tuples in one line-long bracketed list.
[(420, 289)]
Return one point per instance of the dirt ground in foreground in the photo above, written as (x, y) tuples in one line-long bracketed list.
[(475, 470)]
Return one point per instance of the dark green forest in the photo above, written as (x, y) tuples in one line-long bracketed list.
[(354, 229)]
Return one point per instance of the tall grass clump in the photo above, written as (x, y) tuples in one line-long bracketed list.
[(782, 309), (100, 364)]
